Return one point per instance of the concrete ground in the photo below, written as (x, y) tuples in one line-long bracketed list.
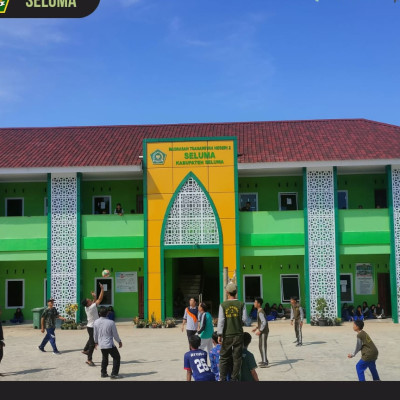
[(157, 354)]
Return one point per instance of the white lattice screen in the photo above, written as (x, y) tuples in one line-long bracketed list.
[(321, 239), (396, 223), (191, 220), (64, 240)]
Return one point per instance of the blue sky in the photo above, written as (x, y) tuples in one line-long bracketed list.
[(180, 61)]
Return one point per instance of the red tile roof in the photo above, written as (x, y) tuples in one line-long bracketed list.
[(271, 141)]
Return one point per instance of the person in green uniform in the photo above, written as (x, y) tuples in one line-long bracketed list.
[(297, 316), (261, 331), (369, 352), (231, 317), (248, 371)]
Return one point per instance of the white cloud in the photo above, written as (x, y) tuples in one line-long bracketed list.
[(200, 43), (11, 88), (25, 33), (128, 3)]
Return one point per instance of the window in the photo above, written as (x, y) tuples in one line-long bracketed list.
[(287, 201), (252, 287), (46, 208), (251, 198), (101, 204), (15, 207), (15, 293), (139, 204), (289, 287), (346, 288), (380, 198), (108, 298), (343, 202)]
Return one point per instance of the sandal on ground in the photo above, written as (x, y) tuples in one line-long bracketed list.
[(91, 363)]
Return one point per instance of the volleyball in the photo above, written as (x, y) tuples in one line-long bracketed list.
[(105, 273)]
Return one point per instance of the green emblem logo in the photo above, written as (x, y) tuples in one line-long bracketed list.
[(3, 6), (158, 157)]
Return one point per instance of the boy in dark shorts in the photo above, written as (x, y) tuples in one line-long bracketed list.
[(195, 362), (248, 371), (261, 331), (369, 352), (296, 317)]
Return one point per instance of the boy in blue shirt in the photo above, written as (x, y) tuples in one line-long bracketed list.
[(214, 356), (195, 362)]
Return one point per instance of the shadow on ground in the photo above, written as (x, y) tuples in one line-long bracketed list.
[(133, 375), (289, 361), (27, 371), (311, 343)]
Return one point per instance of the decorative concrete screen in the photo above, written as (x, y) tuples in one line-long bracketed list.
[(191, 220), (321, 238), (64, 240), (396, 223)]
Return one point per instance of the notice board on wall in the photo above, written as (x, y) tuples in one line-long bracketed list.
[(126, 282), (364, 279)]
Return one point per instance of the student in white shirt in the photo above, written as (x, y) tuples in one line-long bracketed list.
[(92, 314)]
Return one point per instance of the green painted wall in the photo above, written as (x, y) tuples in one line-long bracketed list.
[(268, 189), (380, 264), (365, 231), (360, 191), (33, 193), (271, 272), (170, 286), (361, 188), (34, 274), (123, 192), (23, 238), (125, 304), (271, 228)]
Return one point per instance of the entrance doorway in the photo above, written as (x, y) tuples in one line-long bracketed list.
[(384, 293), (196, 277)]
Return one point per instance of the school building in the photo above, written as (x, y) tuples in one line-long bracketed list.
[(306, 208)]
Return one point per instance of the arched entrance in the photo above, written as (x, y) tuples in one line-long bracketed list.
[(191, 249)]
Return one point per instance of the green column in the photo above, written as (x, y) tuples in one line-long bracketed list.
[(393, 267), (306, 265), (337, 243)]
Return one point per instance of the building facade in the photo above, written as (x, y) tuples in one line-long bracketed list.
[(306, 208)]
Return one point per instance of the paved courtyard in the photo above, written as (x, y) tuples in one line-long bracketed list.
[(157, 354)]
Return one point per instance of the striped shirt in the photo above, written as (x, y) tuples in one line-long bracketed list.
[(191, 318)]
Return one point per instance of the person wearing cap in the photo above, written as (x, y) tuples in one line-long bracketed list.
[(231, 317), (48, 321), (92, 314)]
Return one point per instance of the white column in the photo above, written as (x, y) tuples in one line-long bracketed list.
[(64, 240), (321, 238)]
